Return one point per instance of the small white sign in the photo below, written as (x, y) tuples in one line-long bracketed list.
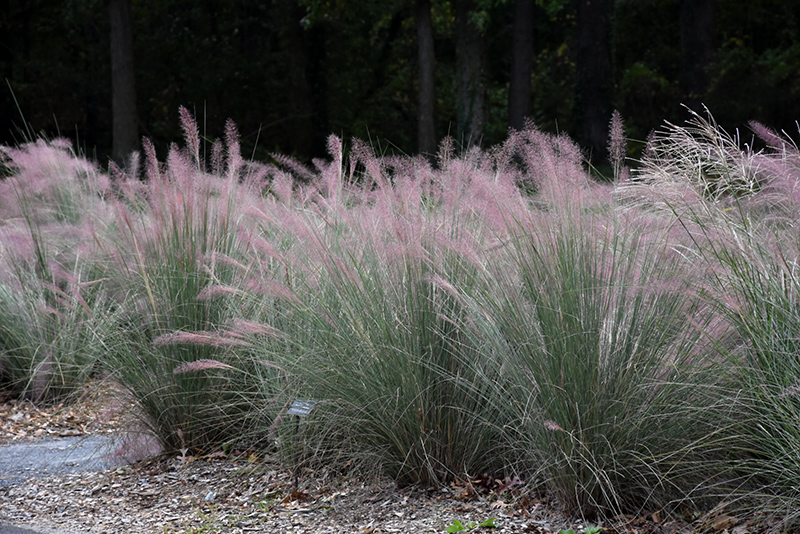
[(301, 407)]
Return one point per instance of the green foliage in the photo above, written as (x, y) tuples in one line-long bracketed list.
[(458, 526), (165, 257), (590, 529), (761, 289), (51, 342), (600, 360), (381, 348), (622, 346)]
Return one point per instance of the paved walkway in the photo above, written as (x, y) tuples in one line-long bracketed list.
[(20, 461), (11, 529)]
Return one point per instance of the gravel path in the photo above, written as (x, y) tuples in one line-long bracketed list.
[(19, 461)]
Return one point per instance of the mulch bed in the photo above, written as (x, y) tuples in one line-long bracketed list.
[(239, 493), (97, 409)]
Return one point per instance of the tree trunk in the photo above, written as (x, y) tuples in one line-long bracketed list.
[(317, 47), (471, 92), (593, 76), (697, 49), (8, 46), (426, 127), (124, 120), (519, 91), (301, 133)]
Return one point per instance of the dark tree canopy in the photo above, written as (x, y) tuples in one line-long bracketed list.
[(519, 87), (124, 119), (426, 57), (291, 72), (593, 73)]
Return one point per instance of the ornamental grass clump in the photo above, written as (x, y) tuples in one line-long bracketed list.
[(176, 239), (598, 337), (759, 295), (374, 336), (54, 312), (750, 255), (52, 339), (609, 352), (741, 236)]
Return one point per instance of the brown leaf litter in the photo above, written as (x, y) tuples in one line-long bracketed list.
[(96, 410), (244, 493)]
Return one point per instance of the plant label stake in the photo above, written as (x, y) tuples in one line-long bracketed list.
[(299, 408)]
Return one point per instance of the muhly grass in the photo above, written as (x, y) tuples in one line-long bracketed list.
[(53, 311), (745, 244), (597, 334), (607, 345), (628, 346), (450, 324), (370, 332), (51, 339), (177, 238), (761, 301), (759, 295), (49, 177), (389, 357)]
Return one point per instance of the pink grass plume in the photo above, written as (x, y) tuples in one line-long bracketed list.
[(211, 339), (200, 365), (551, 425), (617, 144)]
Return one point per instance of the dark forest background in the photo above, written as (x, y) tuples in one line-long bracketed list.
[(401, 74)]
